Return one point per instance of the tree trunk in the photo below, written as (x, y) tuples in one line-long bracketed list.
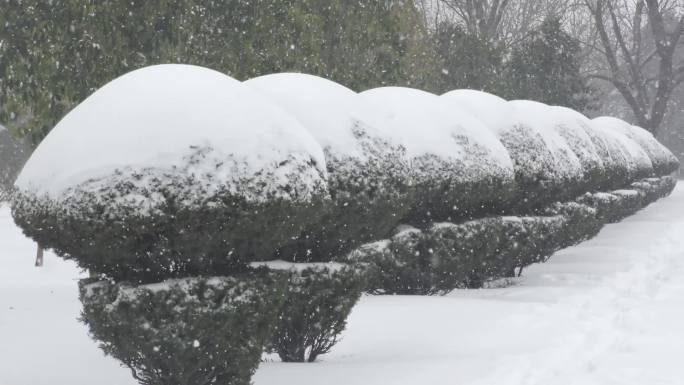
[(39, 257)]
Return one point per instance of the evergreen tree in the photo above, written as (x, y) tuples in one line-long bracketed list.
[(546, 67), (54, 54), (467, 61), (367, 44)]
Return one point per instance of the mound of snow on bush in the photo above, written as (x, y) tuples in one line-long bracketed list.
[(369, 176), (537, 155), (640, 163), (663, 160), (161, 117), (576, 130), (544, 120), (450, 150), (168, 171)]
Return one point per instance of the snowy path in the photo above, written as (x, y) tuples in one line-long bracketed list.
[(610, 311)]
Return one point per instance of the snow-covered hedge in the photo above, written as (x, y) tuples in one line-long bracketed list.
[(546, 124), (613, 157), (545, 167), (185, 331), (398, 265), (460, 168), (577, 132), (639, 164), (662, 160), (317, 302), (177, 170), (653, 189), (171, 170), (616, 205), (447, 255), (368, 176), (181, 172)]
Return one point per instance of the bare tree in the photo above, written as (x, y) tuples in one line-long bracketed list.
[(637, 40), (504, 21), (480, 17)]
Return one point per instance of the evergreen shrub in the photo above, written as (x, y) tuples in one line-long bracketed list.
[(168, 225), (461, 170), (398, 265), (176, 170), (448, 256), (317, 302), (368, 176), (185, 331)]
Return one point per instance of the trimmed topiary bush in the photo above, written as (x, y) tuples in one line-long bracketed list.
[(613, 156), (639, 164), (580, 223), (664, 162), (448, 256), (461, 169), (369, 178), (176, 174), (577, 132), (662, 159), (171, 171), (471, 253), (614, 206), (186, 331), (540, 175), (655, 188), (398, 265), (316, 305), (542, 119)]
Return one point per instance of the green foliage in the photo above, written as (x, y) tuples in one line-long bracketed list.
[(616, 205), (54, 54), (539, 176), (467, 61), (447, 256), (13, 154), (580, 223), (546, 67), (369, 198), (194, 230), (188, 331), (399, 265), (655, 188), (317, 303)]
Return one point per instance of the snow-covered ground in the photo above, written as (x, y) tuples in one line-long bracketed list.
[(610, 311)]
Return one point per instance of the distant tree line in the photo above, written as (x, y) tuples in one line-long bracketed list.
[(54, 54)]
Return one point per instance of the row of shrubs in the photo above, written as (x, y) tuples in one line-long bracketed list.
[(441, 258), (447, 256), (173, 332), (339, 169), (464, 188)]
